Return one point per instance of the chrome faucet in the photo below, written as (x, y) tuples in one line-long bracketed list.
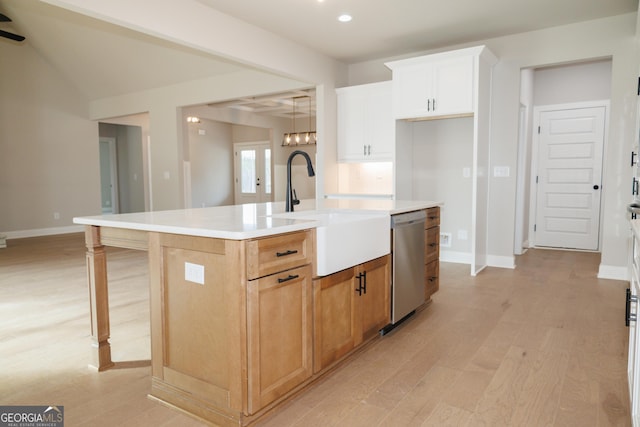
[(291, 197)]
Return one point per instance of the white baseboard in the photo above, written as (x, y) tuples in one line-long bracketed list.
[(21, 234), (455, 256), (501, 261), (613, 272), (465, 258)]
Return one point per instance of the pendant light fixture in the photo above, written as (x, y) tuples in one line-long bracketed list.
[(299, 138)]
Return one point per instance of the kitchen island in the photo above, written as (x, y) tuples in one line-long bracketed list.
[(240, 320)]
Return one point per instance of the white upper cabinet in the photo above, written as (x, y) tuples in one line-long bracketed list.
[(366, 127), (437, 85)]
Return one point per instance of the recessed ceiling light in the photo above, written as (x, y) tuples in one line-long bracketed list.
[(344, 18)]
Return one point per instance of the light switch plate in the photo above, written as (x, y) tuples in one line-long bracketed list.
[(501, 171)]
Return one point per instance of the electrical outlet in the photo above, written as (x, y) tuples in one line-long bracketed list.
[(445, 240), (194, 273), (56, 215), (462, 235)]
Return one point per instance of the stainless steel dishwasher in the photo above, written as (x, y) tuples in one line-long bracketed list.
[(407, 269)]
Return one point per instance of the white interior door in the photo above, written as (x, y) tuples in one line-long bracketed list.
[(569, 179), (252, 173)]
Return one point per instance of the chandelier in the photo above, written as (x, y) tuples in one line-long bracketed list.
[(294, 138)]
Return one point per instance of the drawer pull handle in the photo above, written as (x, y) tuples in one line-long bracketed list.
[(433, 245), (433, 217), (433, 278), (289, 277), (289, 252), (630, 317)]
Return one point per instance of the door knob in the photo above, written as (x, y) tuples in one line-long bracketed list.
[(595, 187)]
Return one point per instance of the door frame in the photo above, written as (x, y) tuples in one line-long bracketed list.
[(113, 170), (537, 111), (238, 146)]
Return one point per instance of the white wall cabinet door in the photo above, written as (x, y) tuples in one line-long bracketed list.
[(633, 369), (433, 88), (366, 128), (453, 86)]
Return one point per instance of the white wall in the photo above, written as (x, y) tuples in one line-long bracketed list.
[(610, 37), (440, 149), (576, 82), (211, 157), (49, 159)]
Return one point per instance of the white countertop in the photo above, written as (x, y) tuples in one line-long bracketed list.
[(239, 222)]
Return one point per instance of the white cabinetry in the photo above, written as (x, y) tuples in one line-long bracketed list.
[(366, 128), (441, 86), (455, 85), (633, 369)]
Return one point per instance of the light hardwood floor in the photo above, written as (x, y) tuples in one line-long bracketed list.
[(544, 344)]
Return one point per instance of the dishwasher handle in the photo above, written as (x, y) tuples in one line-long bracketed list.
[(404, 219)]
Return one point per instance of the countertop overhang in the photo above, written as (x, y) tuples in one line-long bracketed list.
[(240, 222)]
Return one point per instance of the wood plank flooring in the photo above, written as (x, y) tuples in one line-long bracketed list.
[(542, 345)]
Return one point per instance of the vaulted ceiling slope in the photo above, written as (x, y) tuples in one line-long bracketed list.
[(104, 60)]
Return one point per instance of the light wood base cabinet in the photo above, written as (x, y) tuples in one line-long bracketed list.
[(232, 322), (279, 335), (350, 307)]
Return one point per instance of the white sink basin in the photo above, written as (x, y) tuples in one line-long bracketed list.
[(346, 238)]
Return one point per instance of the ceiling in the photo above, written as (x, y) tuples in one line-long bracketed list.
[(103, 60), (382, 28)]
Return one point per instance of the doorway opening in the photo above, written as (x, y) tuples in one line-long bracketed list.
[(122, 170), (568, 208)]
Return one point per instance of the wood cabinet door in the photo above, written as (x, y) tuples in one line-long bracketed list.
[(375, 299), (432, 244), (279, 334), (336, 317), (432, 279)]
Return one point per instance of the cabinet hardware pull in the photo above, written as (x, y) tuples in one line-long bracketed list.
[(629, 317), (289, 252), (634, 187), (364, 276), (433, 245), (433, 278), (290, 277), (633, 155), (428, 105), (362, 283), (364, 150), (434, 104)]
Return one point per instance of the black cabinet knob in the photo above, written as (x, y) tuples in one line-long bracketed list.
[(595, 187)]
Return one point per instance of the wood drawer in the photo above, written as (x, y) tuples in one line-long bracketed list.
[(273, 254), (432, 245), (431, 279), (433, 217)]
